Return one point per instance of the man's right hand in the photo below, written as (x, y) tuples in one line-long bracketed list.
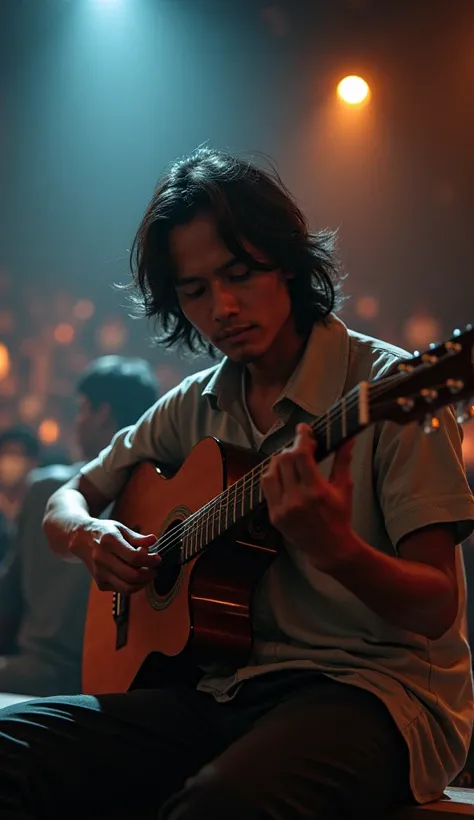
[(117, 557)]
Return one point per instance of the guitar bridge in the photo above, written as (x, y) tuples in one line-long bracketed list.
[(120, 613)]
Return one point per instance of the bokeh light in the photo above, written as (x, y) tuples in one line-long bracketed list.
[(49, 431), (64, 333), (112, 336), (30, 407), (83, 309), (4, 361), (367, 307), (422, 330)]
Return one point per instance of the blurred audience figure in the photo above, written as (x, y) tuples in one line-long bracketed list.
[(5, 538), (54, 454), (20, 452), (43, 599)]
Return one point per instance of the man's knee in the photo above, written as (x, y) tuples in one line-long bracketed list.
[(211, 795)]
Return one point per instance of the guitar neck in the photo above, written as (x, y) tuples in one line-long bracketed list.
[(344, 420)]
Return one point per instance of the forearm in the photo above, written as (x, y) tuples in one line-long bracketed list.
[(67, 510), (408, 594)]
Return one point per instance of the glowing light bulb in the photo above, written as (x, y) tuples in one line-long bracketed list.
[(353, 90)]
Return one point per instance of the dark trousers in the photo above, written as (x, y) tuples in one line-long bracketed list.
[(289, 746)]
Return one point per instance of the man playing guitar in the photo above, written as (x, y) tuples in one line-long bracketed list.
[(357, 693)]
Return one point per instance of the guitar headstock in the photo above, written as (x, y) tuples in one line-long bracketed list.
[(442, 375)]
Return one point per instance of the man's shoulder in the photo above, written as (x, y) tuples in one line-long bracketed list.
[(191, 388), (372, 357)]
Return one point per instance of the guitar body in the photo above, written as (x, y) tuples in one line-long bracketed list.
[(193, 613)]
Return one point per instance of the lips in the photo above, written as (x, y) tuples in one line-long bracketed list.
[(236, 334)]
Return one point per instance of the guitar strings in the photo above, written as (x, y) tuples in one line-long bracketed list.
[(237, 491), (240, 491), (193, 523)]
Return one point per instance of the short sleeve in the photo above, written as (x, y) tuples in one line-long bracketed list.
[(420, 478), (155, 437)]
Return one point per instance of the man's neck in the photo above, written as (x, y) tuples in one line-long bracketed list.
[(274, 369)]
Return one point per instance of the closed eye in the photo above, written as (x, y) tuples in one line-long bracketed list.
[(239, 277), (232, 276), (193, 294)]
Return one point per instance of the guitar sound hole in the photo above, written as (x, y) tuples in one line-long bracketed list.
[(166, 578), (169, 570)]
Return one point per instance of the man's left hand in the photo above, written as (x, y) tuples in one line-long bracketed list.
[(313, 513)]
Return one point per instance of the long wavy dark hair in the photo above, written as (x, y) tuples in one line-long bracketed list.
[(247, 204)]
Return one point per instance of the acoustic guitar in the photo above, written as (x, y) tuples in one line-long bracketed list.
[(215, 538)]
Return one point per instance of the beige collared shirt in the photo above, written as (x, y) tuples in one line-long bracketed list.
[(403, 480)]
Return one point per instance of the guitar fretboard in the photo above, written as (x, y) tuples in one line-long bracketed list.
[(344, 419)]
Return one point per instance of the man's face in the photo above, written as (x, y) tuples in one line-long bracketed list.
[(240, 312), (15, 464)]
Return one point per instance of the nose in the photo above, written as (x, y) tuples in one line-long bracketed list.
[(224, 303)]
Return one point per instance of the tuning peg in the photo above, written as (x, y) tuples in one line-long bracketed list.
[(465, 412), (458, 332), (430, 424)]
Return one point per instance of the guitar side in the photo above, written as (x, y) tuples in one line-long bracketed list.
[(193, 613)]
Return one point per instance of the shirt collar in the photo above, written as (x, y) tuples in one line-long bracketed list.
[(317, 382), (224, 386)]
